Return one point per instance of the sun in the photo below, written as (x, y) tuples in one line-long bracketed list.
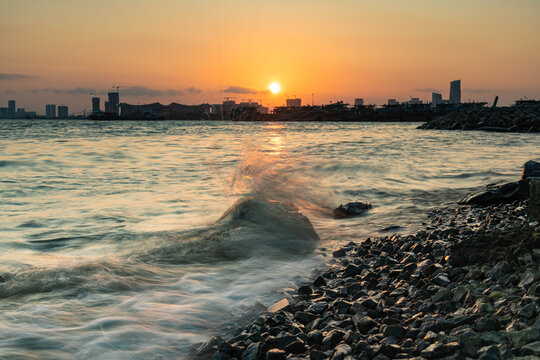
[(274, 87)]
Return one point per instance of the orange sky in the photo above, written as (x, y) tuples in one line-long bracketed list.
[(335, 49)]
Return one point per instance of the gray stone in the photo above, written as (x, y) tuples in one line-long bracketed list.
[(531, 349), (351, 209), (253, 352)]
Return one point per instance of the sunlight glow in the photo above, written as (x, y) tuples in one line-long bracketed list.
[(274, 87)]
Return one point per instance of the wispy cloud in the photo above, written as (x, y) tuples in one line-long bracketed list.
[(140, 91), (427, 90), (16, 76), (239, 90), (477, 91)]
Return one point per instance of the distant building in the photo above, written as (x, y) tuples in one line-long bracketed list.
[(294, 102), (455, 92), (21, 112), (50, 111), (95, 105), (63, 112), (359, 102), (436, 99), (392, 102), (114, 101), (415, 101), (11, 106)]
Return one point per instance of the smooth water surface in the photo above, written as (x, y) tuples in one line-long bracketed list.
[(133, 240)]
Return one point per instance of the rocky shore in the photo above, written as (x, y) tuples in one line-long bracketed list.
[(466, 286), (519, 118)]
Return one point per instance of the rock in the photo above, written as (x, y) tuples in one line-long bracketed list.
[(395, 331), (351, 209), (296, 347), (282, 304), (487, 323), (436, 351), (305, 290), (497, 194), (319, 281), (469, 345), (522, 337), (534, 201), (317, 355), (304, 317), (492, 352), (317, 307), (531, 349), (280, 342), (254, 352), (314, 337), (528, 311), (363, 323), (531, 169), (339, 253), (342, 350), (332, 339), (526, 279), (276, 354), (500, 269)]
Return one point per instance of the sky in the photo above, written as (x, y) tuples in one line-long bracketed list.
[(191, 52)]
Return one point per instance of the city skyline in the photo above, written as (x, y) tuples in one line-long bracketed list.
[(202, 52)]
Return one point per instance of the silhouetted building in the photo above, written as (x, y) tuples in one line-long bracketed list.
[(50, 111), (359, 102), (11, 106), (95, 104), (436, 99), (114, 101), (455, 92), (392, 102), (294, 102), (63, 112)]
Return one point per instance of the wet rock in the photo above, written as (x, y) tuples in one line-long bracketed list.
[(332, 339), (314, 337), (280, 342), (395, 331), (317, 307), (305, 290), (341, 351), (319, 281), (523, 337), (497, 194), (304, 317), (339, 253), (528, 311), (255, 351), (296, 347), (317, 355), (363, 323), (531, 169), (282, 304), (351, 209), (276, 354), (531, 349)]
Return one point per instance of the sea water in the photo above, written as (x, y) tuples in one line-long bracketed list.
[(134, 240)]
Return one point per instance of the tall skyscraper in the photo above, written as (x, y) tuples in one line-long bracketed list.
[(436, 99), (62, 112), (95, 104), (11, 106), (50, 111), (455, 92), (114, 101)]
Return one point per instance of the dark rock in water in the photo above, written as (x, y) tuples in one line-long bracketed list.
[(351, 209), (304, 290), (339, 253), (498, 194), (531, 169), (389, 228), (319, 281)]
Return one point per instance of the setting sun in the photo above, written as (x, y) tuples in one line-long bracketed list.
[(274, 87)]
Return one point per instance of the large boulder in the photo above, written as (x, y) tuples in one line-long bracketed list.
[(351, 209), (531, 169), (498, 194)]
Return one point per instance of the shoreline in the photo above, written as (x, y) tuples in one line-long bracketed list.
[(463, 287)]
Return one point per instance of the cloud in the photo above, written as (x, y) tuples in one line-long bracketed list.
[(427, 90), (477, 91), (193, 90), (239, 90), (16, 76)]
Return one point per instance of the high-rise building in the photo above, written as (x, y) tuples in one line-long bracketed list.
[(95, 104), (359, 102), (50, 111), (455, 92), (11, 106), (392, 102), (436, 99), (114, 101), (294, 102), (62, 112)]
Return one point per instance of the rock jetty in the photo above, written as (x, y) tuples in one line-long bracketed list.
[(465, 287), (519, 118)]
